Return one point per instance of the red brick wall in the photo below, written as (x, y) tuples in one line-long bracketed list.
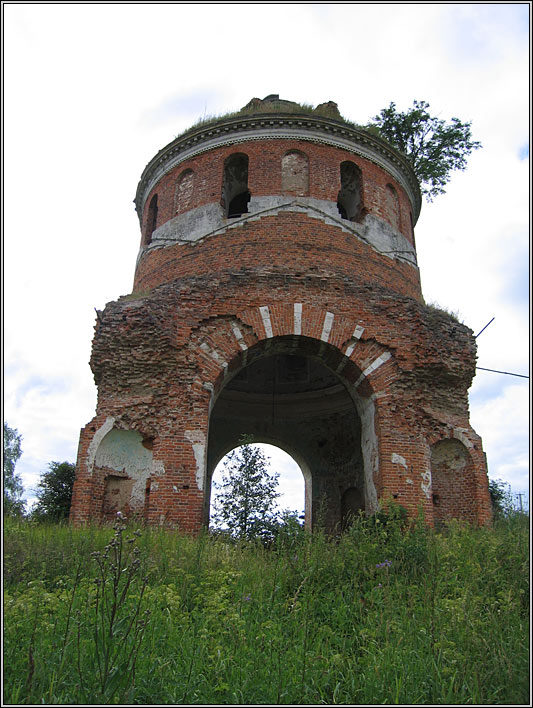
[(154, 377), (290, 242), (265, 178), (161, 355)]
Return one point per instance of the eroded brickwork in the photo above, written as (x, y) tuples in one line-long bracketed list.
[(291, 322)]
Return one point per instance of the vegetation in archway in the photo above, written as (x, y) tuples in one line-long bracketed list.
[(247, 494), (245, 506)]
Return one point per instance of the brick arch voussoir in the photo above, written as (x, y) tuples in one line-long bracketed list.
[(217, 344), (357, 360), (467, 436), (220, 344)]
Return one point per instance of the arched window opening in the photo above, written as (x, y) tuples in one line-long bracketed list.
[(295, 173), (238, 517), (239, 205), (349, 199), (151, 221), (392, 207), (184, 190), (235, 193)]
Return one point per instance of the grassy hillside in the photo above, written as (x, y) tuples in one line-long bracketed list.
[(382, 614)]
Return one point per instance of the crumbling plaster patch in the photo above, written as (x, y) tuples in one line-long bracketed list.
[(398, 460), (198, 442), (425, 485), (123, 451), (369, 449), (158, 468), (207, 220), (95, 442), (461, 434)]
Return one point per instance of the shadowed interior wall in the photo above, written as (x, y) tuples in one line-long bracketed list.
[(293, 401)]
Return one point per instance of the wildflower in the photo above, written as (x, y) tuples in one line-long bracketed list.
[(247, 598), (385, 564)]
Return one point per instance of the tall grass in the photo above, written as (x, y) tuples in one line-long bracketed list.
[(381, 614)]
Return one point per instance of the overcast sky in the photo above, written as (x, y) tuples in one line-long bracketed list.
[(93, 91)]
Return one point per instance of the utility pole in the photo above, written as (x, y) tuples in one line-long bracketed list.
[(520, 495)]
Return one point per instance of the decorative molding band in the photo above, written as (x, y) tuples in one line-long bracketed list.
[(205, 221)]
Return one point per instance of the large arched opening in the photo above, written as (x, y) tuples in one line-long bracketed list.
[(286, 391)]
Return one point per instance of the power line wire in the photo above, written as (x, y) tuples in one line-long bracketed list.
[(509, 373), (484, 328)]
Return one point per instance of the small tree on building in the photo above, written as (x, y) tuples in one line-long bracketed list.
[(433, 147)]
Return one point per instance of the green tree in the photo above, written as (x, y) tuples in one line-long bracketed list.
[(13, 489), (501, 498), (245, 504), (54, 492), (434, 148)]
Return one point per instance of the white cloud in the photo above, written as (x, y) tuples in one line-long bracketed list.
[(503, 423), (93, 91)]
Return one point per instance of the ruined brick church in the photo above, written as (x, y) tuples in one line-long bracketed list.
[(277, 294)]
